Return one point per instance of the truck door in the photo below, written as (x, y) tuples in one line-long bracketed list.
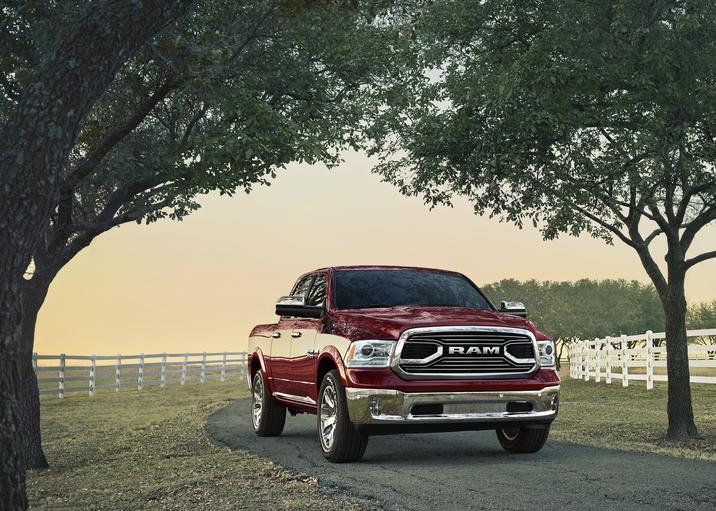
[(304, 352), (281, 375)]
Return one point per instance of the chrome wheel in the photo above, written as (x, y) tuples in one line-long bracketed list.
[(257, 400), (511, 434), (329, 415)]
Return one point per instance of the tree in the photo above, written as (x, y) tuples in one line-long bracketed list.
[(35, 141), (220, 102), (703, 316), (577, 116), (585, 309)]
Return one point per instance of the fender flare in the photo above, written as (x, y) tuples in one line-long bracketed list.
[(258, 354), (330, 352)]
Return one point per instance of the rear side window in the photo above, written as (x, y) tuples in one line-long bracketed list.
[(317, 295), (303, 286)]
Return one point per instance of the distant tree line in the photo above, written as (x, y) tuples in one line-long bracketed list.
[(587, 308)]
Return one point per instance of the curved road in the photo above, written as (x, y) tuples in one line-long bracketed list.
[(469, 470)]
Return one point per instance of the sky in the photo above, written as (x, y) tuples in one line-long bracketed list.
[(203, 283)]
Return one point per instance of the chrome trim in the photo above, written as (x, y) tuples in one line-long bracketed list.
[(515, 359), (388, 406), (395, 358), (297, 399), (425, 360)]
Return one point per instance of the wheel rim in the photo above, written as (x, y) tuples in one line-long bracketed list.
[(257, 401), (511, 434), (329, 415)]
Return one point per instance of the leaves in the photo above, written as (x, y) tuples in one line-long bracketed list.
[(579, 117)]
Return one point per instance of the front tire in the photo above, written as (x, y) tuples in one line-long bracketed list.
[(340, 441), (522, 440), (267, 417)]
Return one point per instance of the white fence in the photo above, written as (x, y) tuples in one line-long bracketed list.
[(634, 357), (88, 373)]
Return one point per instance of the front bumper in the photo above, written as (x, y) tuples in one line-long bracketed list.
[(387, 406)]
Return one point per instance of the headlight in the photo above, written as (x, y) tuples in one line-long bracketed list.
[(546, 353), (369, 353)]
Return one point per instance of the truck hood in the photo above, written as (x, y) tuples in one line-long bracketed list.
[(390, 323)]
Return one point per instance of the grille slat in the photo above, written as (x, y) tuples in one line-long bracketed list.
[(494, 361)]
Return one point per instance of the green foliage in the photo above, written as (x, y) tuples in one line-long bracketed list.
[(219, 102), (702, 315), (584, 309), (576, 116)]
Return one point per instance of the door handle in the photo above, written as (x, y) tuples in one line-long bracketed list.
[(276, 335), (295, 334)]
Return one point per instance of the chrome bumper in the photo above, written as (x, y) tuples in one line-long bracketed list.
[(385, 406)]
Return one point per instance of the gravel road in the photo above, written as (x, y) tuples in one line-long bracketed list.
[(470, 471)]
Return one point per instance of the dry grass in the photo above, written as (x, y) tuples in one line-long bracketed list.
[(632, 418), (147, 450)]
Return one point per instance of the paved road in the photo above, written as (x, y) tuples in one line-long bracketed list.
[(470, 471)]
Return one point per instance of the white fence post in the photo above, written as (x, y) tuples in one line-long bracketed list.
[(61, 377), (163, 373), (625, 362), (140, 372), (223, 368), (649, 360), (609, 359), (202, 378), (117, 372), (597, 361), (93, 369), (586, 361), (183, 368)]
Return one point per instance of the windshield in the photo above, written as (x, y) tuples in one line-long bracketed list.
[(362, 289)]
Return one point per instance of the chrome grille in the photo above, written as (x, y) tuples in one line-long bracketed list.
[(468, 352)]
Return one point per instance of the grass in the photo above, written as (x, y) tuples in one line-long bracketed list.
[(632, 418), (147, 450)]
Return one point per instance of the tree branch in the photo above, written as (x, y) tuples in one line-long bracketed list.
[(86, 166), (699, 258)]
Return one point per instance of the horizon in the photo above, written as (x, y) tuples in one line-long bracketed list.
[(172, 286)]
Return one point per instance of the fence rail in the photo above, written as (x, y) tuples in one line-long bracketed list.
[(118, 372), (635, 357)]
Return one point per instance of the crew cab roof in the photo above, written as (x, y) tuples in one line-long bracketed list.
[(382, 267)]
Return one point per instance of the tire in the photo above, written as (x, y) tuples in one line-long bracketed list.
[(267, 417), (522, 440), (342, 443)]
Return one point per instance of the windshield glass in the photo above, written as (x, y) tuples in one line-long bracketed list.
[(362, 289)]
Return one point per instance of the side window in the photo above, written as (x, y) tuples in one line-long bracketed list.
[(317, 296), (303, 286)]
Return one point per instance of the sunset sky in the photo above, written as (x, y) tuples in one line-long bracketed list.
[(201, 284)]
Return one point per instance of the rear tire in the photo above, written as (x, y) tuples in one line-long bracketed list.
[(522, 440), (339, 439), (267, 417)]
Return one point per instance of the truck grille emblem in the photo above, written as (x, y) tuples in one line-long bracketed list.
[(474, 350)]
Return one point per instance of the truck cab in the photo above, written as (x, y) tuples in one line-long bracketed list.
[(388, 349)]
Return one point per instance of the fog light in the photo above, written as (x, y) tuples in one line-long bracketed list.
[(375, 406)]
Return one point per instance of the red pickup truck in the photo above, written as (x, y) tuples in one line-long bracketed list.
[(387, 349)]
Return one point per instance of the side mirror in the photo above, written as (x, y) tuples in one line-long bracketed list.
[(295, 306), (514, 308)]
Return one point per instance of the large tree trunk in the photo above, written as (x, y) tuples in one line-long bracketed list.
[(33, 296), (34, 146), (12, 476), (680, 412)]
